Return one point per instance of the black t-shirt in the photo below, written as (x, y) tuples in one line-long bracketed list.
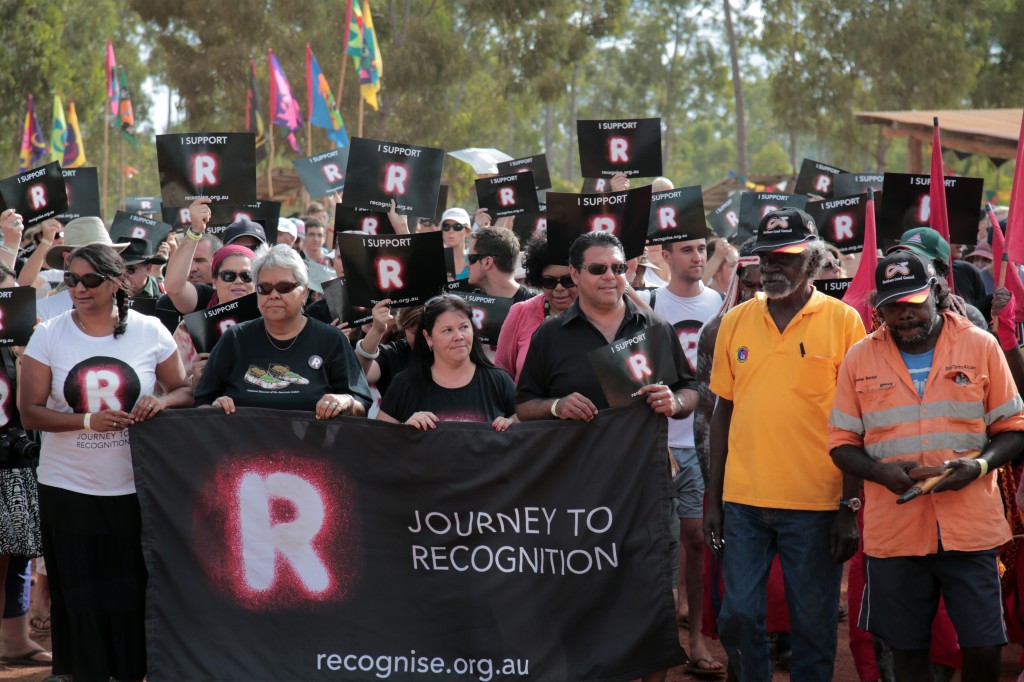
[(247, 368), (557, 364), (491, 394), (204, 292), (394, 358), (523, 293)]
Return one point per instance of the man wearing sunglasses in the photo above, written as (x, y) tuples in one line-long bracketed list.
[(492, 264), (558, 381), (139, 258)]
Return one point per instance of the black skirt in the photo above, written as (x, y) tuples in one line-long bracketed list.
[(93, 550)]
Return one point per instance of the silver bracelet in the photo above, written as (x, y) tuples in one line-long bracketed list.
[(362, 351)]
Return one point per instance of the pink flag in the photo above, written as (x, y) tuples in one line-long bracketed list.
[(938, 218), (858, 295), (1013, 282), (1015, 221), (284, 109), (113, 92)]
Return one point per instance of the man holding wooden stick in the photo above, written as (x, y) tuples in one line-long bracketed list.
[(928, 393)]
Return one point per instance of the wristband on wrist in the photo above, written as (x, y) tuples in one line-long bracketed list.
[(554, 408), (8, 249), (984, 467), (194, 236), (46, 242), (85, 421), (362, 351)]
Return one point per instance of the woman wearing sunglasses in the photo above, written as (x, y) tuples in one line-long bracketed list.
[(558, 292), (86, 376), (449, 377), (455, 231), (232, 279), (284, 359)]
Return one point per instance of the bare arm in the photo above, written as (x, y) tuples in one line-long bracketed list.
[(30, 271), (34, 389), (12, 226), (182, 292), (705, 398)]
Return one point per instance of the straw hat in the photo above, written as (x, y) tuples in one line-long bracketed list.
[(81, 232)]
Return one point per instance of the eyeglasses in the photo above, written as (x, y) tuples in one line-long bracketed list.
[(598, 269), (132, 269), (91, 280), (552, 282), (477, 257), (231, 275), (448, 227), (265, 288)]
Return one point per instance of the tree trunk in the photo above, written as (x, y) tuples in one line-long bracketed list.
[(737, 89)]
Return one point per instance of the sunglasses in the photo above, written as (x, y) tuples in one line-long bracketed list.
[(448, 227), (132, 269), (230, 276), (477, 257), (91, 280), (552, 282), (265, 288), (598, 269)]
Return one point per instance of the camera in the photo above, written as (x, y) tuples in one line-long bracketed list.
[(17, 449)]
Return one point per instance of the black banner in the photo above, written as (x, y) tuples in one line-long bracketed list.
[(624, 366), (836, 288), (818, 179), (17, 315), (219, 166), (537, 164), (348, 219), (841, 221), (134, 226), (677, 215), (856, 183), (489, 313), (507, 195), (281, 547), (408, 269), (725, 219), (596, 185), (323, 174), (208, 325), (630, 146), (266, 213), (143, 306), (381, 171), (906, 205), (36, 194), (147, 206), (339, 306), (756, 205), (83, 188), (624, 214)]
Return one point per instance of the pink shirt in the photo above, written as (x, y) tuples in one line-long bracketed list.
[(513, 342)]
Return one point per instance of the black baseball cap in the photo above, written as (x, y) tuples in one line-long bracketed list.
[(787, 230), (903, 277)]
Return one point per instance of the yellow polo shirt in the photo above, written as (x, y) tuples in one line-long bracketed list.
[(781, 385)]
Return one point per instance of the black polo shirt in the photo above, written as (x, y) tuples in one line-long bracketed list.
[(557, 364)]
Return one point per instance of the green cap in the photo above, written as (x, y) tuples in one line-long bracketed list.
[(924, 241)]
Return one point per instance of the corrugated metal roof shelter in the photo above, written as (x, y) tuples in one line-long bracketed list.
[(986, 132)]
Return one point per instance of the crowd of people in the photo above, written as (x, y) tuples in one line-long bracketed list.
[(795, 431)]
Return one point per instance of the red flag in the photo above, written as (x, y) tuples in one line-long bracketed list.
[(938, 218), (858, 295), (345, 32), (1013, 282), (1015, 221)]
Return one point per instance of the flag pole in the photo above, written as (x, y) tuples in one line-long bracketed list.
[(361, 116), (344, 51), (123, 174), (270, 162), (106, 150)]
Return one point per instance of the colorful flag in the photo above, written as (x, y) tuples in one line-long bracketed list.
[(74, 149), (858, 295), (254, 122), (371, 67), (356, 26), (284, 109), (125, 112), (323, 112), (113, 91), (33, 145), (1015, 220), (938, 218), (58, 131)]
